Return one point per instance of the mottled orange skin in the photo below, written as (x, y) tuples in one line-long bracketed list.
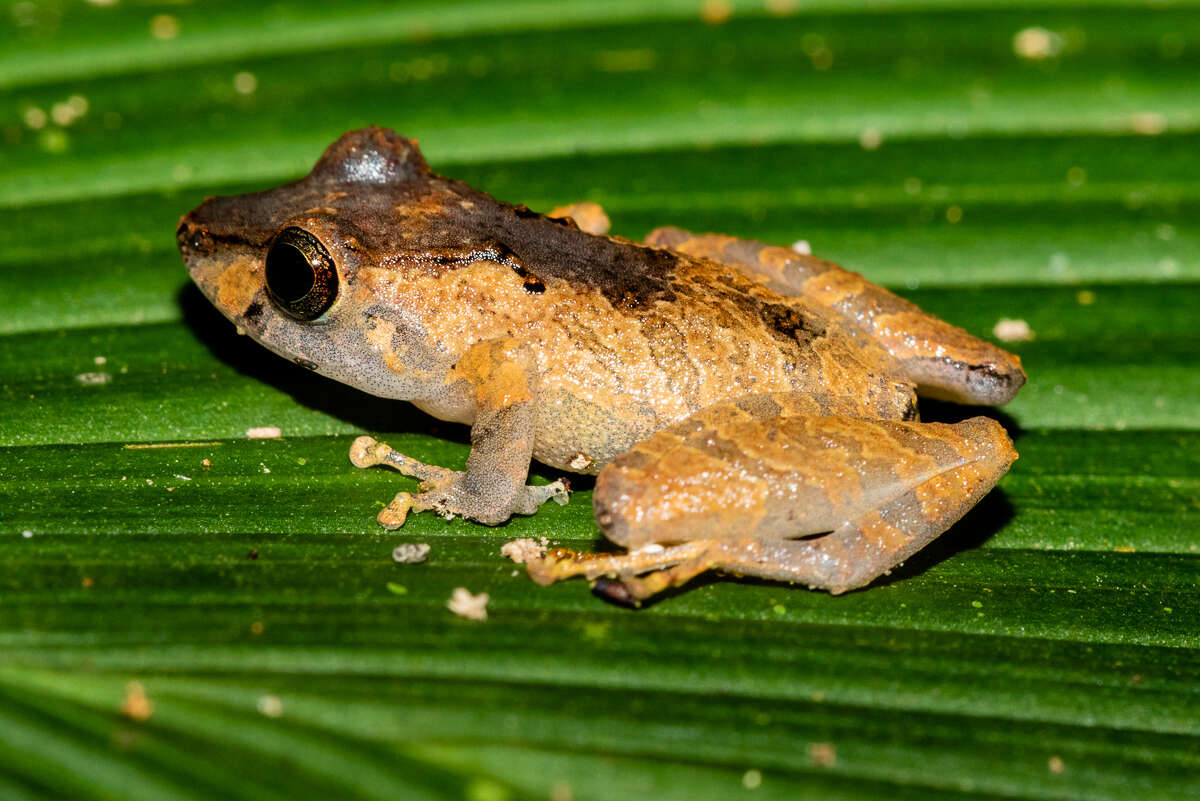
[(733, 398)]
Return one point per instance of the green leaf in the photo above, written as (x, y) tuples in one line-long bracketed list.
[(988, 160)]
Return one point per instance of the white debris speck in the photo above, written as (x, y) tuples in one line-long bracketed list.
[(525, 550), (822, 755), (164, 26), (464, 604), (1148, 123), (752, 779), (26, 533), (100, 360), (579, 462), (870, 139), (1012, 330), (270, 706), (182, 477), (802, 247), (93, 378), (62, 114), (651, 548), (263, 432), (137, 705), (1036, 43), (410, 553), (245, 83), (35, 118)]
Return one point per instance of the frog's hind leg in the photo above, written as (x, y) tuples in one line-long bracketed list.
[(943, 360), (829, 502)]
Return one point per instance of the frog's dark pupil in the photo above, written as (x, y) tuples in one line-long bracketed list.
[(302, 279), (289, 274)]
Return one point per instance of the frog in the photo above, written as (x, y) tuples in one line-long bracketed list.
[(744, 408)]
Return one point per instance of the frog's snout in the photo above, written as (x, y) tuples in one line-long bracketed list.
[(193, 239)]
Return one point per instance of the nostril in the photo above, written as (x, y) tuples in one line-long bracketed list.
[(193, 239)]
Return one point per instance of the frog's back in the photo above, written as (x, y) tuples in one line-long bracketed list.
[(628, 324)]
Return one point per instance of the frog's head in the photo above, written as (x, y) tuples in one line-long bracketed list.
[(285, 265)]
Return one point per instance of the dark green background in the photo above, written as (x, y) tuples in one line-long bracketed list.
[(1046, 647)]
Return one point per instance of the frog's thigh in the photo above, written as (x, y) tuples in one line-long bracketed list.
[(590, 217), (943, 360), (748, 490)]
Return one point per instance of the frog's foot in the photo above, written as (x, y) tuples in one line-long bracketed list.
[(619, 576), (590, 217), (446, 491)]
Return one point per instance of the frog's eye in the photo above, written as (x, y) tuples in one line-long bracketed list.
[(301, 277)]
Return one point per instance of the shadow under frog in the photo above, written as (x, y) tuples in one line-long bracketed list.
[(743, 407)]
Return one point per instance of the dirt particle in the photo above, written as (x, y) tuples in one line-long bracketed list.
[(245, 83), (752, 779), (263, 432), (525, 549), (465, 604), (87, 582), (1037, 44), (256, 628), (822, 755), (164, 27), (270, 706), (1148, 123), (93, 379), (410, 553), (715, 12), (1009, 330), (1055, 765), (136, 705), (253, 554)]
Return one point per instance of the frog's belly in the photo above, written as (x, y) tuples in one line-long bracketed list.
[(572, 432)]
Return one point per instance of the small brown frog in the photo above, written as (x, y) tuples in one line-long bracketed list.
[(744, 407)]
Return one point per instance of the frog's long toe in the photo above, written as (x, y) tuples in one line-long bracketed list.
[(369, 452), (395, 513)]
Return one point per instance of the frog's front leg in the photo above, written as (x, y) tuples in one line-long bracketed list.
[(830, 502), (492, 488)]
